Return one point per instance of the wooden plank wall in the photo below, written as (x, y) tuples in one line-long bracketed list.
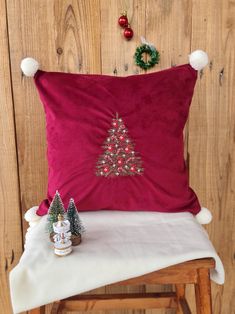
[(83, 36), (10, 210)]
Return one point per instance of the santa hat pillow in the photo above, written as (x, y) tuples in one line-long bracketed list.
[(116, 143)]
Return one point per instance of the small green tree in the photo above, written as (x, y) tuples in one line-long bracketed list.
[(54, 210), (76, 226)]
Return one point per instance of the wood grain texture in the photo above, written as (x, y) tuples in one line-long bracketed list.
[(211, 135), (83, 36), (120, 301), (10, 214), (203, 292), (27, 37), (116, 52)]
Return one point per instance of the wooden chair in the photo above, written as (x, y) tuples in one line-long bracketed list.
[(195, 272)]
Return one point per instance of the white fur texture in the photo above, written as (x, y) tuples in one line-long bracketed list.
[(31, 216), (29, 66), (123, 245), (33, 223), (198, 59), (204, 216)]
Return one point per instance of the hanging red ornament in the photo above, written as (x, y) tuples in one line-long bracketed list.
[(123, 20), (128, 33)]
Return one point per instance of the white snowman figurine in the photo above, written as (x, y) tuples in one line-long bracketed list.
[(62, 243)]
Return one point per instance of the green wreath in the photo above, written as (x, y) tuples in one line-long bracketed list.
[(153, 53)]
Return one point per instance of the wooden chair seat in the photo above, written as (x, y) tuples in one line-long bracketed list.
[(195, 272)]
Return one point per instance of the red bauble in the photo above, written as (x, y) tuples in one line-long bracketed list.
[(123, 21), (128, 33)]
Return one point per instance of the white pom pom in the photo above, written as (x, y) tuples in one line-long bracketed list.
[(31, 215), (198, 59), (204, 216), (29, 66)]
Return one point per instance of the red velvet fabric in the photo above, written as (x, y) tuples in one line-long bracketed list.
[(154, 107)]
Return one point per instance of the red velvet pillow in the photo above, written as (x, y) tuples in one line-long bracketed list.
[(153, 108)]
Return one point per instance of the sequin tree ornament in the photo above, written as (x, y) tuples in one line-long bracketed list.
[(56, 208), (76, 226), (119, 157)]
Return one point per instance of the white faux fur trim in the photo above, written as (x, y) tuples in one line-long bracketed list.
[(204, 216), (31, 216), (198, 59), (29, 66), (33, 223)]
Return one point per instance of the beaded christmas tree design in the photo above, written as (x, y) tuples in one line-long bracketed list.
[(119, 157)]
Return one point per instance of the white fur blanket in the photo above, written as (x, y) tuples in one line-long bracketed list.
[(116, 246)]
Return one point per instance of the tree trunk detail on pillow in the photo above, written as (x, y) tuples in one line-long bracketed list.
[(119, 158)]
